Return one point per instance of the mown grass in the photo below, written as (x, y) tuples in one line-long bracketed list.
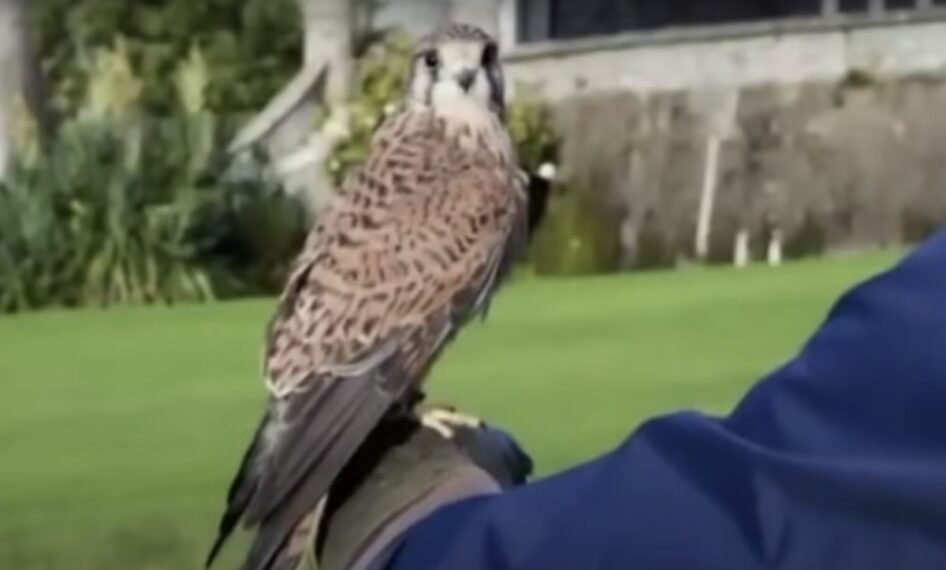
[(120, 429)]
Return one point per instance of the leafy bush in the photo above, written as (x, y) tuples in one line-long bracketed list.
[(121, 206), (533, 128), (579, 236), (252, 47)]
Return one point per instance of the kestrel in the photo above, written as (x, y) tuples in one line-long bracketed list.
[(413, 246)]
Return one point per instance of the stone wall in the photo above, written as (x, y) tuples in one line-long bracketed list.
[(828, 165)]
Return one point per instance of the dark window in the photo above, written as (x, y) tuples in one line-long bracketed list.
[(852, 6), (694, 12), (565, 19), (572, 19), (900, 4)]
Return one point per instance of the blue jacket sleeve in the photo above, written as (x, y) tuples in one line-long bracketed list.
[(837, 460)]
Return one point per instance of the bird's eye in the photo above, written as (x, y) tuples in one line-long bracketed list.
[(431, 59), (489, 55)]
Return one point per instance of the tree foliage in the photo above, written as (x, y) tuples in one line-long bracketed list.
[(252, 47), (122, 206)]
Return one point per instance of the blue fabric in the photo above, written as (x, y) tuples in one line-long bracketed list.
[(836, 461)]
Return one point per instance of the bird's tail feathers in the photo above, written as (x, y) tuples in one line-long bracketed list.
[(240, 492), (321, 439), (302, 543)]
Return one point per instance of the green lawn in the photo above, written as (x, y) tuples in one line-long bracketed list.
[(119, 430)]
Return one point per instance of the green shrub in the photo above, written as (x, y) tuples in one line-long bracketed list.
[(578, 237), (120, 206), (253, 47), (532, 126), (262, 232)]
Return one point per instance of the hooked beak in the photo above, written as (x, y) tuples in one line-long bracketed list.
[(465, 79)]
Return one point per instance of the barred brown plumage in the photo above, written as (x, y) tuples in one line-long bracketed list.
[(413, 245)]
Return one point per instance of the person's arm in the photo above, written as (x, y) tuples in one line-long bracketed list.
[(836, 460)]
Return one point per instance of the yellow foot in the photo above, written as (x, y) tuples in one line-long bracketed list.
[(444, 420)]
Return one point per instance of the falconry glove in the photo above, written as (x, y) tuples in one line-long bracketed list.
[(404, 473)]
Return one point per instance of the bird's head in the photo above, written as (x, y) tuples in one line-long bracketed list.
[(455, 68)]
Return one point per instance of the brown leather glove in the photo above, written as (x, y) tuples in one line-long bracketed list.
[(405, 471)]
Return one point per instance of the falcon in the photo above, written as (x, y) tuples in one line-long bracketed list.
[(413, 246)]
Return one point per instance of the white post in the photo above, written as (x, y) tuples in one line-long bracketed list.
[(741, 253), (707, 195), (774, 256), (507, 25), (718, 106), (328, 38)]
